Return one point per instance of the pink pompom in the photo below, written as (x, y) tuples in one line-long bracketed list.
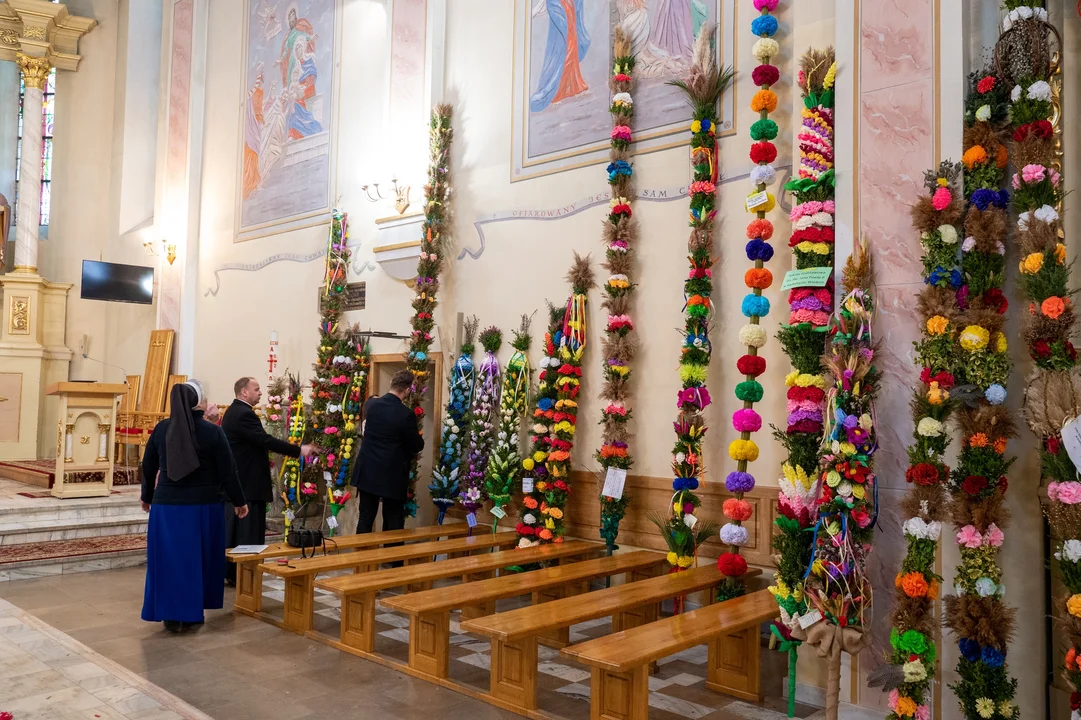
[(767, 5), (941, 199), (746, 420)]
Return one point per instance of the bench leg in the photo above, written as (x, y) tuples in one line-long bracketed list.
[(485, 608), (733, 665), (619, 696), (358, 621), (249, 586), (429, 643), (514, 671), (299, 602)]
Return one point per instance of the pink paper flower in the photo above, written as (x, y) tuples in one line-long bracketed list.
[(941, 199), (1068, 493), (1033, 173), (894, 697), (994, 536), (702, 186), (969, 537), (1016, 182), (923, 712), (621, 132), (767, 5), (1055, 177)]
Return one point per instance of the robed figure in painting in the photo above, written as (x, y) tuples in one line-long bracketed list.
[(299, 73), (568, 43), (253, 134)]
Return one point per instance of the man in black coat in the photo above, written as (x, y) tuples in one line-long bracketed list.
[(251, 446), (390, 440)]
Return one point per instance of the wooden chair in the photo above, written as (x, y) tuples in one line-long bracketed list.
[(173, 380), (249, 578), (620, 662), (429, 612), (514, 634), (358, 593), (299, 575), (128, 431)]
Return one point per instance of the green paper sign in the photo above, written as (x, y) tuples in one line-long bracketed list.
[(811, 277)]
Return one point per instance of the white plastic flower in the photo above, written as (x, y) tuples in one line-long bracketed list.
[(1007, 24), (1040, 14), (948, 233), (1039, 90), (763, 175), (765, 48), (1015, 94), (1071, 550), (525, 543), (680, 457), (752, 336), (983, 113)]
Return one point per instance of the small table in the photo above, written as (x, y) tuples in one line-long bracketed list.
[(85, 430)]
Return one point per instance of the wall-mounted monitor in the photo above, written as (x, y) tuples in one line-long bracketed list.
[(117, 283)]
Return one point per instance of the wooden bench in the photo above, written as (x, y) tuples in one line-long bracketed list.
[(429, 612), (514, 633), (299, 574), (249, 579), (358, 591), (619, 689)]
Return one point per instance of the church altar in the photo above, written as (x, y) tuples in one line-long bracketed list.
[(85, 429)]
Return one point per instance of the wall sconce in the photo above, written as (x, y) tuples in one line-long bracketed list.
[(167, 249), (401, 195)]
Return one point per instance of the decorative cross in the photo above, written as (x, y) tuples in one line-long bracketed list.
[(272, 361)]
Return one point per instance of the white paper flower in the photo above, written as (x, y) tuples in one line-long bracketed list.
[(920, 529), (732, 534), (1024, 12), (948, 233), (1007, 24), (845, 489), (764, 49), (1015, 94), (929, 427), (1039, 90), (763, 175), (1000, 248), (1046, 214), (914, 671), (983, 113), (526, 542), (622, 97), (680, 457), (968, 244), (1071, 550), (986, 587), (1041, 14), (529, 519), (752, 336)]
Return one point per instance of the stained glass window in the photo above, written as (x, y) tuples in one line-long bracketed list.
[(47, 108)]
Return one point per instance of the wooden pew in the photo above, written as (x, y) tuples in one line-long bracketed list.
[(514, 633), (619, 688), (429, 612), (249, 579), (299, 574), (358, 591)]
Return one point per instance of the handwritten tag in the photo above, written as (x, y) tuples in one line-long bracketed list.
[(690, 521), (811, 277), (810, 619), (471, 520), (614, 482), (527, 484), (1071, 439), (759, 198), (332, 522), (498, 512)]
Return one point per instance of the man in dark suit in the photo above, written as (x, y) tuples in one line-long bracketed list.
[(390, 440), (251, 446)]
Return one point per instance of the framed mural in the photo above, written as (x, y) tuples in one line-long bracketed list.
[(287, 164), (562, 59)]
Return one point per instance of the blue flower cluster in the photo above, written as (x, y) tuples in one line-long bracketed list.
[(758, 249), (764, 26), (687, 483), (984, 198), (755, 306), (971, 651), (617, 168), (940, 277)]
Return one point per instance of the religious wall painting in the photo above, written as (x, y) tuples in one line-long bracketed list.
[(288, 127), (562, 60)]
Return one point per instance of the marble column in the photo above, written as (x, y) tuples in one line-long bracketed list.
[(35, 73)]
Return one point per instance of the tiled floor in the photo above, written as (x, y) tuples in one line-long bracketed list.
[(237, 668)]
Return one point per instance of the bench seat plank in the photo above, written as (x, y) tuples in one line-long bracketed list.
[(620, 661), (249, 579)]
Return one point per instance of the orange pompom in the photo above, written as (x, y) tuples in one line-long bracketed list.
[(760, 228), (764, 100), (914, 585), (760, 278), (738, 510), (974, 156)]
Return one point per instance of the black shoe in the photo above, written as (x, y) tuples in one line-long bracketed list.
[(173, 626), (190, 625)]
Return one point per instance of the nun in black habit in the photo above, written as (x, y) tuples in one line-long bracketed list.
[(185, 543)]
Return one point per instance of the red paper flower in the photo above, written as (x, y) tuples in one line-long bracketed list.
[(994, 298), (1052, 444), (765, 75), (524, 529), (922, 474), (974, 484), (763, 152), (732, 565), (986, 85), (1041, 349), (752, 365)]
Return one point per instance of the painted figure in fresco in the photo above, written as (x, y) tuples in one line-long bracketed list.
[(673, 31), (253, 134), (299, 72), (662, 49), (568, 43)]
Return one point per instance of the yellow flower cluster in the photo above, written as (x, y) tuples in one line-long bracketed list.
[(553, 511), (1032, 263), (617, 282), (974, 338), (813, 247), (831, 76), (803, 380), (1001, 345), (796, 475), (565, 403), (1073, 605), (743, 450), (683, 561), (1060, 254), (937, 325), (620, 370)]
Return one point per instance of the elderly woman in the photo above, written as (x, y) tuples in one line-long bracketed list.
[(188, 472)]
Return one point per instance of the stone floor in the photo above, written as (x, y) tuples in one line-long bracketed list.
[(238, 668)]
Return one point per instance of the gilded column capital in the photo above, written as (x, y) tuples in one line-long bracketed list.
[(35, 70)]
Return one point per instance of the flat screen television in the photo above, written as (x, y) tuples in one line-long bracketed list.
[(117, 283)]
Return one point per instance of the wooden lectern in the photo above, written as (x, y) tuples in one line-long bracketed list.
[(84, 438)]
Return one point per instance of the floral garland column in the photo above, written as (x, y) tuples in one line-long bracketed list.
[(755, 307), (534, 473), (432, 244), (913, 654), (980, 620), (504, 466), (704, 85), (620, 235), (348, 439), (444, 485), (482, 422)]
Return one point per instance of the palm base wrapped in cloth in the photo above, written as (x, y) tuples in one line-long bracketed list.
[(829, 641)]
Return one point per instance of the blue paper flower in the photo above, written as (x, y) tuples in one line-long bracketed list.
[(706, 124), (955, 278), (685, 484), (617, 168), (755, 305), (995, 394), (545, 404), (992, 657), (764, 25), (970, 649), (759, 250)]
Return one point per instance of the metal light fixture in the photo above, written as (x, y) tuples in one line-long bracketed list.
[(168, 249), (401, 195)]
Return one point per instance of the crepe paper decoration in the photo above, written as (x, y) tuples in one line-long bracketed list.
[(534, 478), (504, 471), (446, 475), (482, 422), (289, 478), (914, 625), (703, 86), (620, 345), (434, 242), (837, 586)]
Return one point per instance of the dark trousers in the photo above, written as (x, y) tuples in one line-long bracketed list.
[(393, 515), (249, 531)]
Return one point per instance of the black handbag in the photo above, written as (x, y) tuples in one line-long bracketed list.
[(304, 538)]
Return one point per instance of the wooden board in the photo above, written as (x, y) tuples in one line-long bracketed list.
[(622, 651), (159, 358), (367, 540), (173, 380)]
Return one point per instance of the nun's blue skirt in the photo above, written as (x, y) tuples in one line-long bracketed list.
[(185, 562)]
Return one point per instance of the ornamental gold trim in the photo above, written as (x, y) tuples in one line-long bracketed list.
[(35, 70)]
